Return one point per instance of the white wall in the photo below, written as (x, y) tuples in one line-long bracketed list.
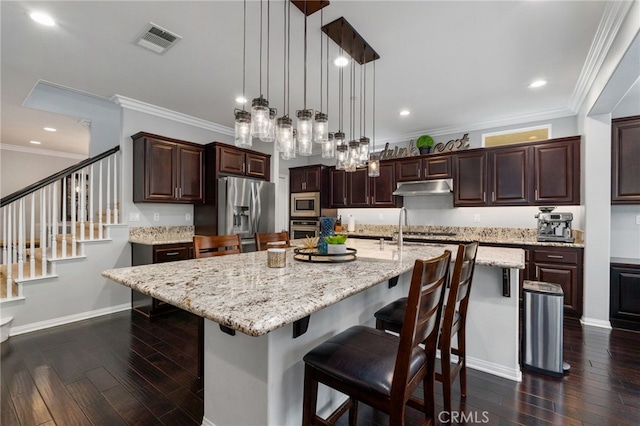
[(625, 232)]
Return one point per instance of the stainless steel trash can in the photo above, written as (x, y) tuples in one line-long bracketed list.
[(542, 341)]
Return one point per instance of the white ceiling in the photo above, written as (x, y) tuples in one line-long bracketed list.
[(455, 65)]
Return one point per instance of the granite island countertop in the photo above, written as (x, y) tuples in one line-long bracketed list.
[(156, 235), (241, 292)]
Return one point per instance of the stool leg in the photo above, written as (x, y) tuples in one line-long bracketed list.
[(310, 396), (462, 359), (379, 325), (445, 360), (353, 413)]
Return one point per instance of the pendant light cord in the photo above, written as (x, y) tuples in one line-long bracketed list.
[(304, 102), (373, 135), (260, 83), (321, 50), (268, 41), (364, 97), (244, 51), (288, 55)]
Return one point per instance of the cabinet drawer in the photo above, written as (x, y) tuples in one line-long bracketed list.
[(555, 256), (171, 254)]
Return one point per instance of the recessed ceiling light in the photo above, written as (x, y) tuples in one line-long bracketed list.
[(42, 18), (405, 112), (50, 129), (35, 142), (340, 61), (241, 100), (537, 83)]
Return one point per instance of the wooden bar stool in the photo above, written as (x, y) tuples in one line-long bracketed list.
[(272, 240), (453, 322), (380, 369)]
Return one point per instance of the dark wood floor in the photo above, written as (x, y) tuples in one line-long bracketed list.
[(123, 369)]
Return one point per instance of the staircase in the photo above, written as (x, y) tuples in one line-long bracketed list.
[(54, 220)]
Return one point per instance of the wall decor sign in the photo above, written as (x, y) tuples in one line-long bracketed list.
[(453, 144), (411, 150)]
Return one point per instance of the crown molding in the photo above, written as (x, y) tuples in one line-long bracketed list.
[(168, 114), (614, 14), (551, 114), (47, 152)]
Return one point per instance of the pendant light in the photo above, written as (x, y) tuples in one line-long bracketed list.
[(364, 141), (374, 160), (329, 147), (260, 105), (270, 134), (353, 154), (284, 129), (242, 117), (304, 124), (320, 122), (339, 136)]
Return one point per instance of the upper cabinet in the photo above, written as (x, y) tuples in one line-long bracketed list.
[(420, 168), (357, 189), (307, 178), (625, 157), (237, 161), (166, 170), (526, 174)]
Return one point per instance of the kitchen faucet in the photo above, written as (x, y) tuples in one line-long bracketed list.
[(403, 212)]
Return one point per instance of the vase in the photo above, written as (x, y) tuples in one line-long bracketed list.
[(326, 230)]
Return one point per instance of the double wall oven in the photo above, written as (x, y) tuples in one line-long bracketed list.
[(305, 211)]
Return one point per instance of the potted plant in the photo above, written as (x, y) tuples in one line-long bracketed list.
[(336, 244), (424, 144)]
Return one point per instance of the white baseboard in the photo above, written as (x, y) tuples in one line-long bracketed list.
[(68, 319), (206, 422), (495, 369), (595, 323)]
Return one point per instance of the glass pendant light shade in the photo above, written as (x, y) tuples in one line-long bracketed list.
[(305, 148), (339, 138), (341, 156), (321, 128), (353, 156), (374, 165), (259, 117), (284, 134), (290, 152), (364, 151), (271, 126), (242, 128), (328, 147), (304, 125)]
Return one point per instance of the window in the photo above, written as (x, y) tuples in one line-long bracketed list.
[(507, 137)]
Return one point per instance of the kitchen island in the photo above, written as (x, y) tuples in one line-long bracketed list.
[(256, 375)]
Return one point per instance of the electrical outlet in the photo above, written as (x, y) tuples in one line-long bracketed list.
[(638, 219), (380, 216), (134, 217), (156, 217), (476, 218), (187, 217)]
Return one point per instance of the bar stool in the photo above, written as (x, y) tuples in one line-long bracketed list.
[(270, 240), (453, 322), (380, 369)]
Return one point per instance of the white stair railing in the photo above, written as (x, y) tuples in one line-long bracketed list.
[(48, 220)]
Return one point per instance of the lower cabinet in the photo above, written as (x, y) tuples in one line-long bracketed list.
[(144, 254), (624, 300)]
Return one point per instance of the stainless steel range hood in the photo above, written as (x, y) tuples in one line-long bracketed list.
[(424, 187)]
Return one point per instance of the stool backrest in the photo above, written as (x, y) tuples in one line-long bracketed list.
[(458, 299), (216, 245), (422, 318), (272, 240)]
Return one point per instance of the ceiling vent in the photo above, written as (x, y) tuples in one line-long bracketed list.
[(156, 38)]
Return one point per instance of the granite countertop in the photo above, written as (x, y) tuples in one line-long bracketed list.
[(156, 235), (512, 236), (241, 292)]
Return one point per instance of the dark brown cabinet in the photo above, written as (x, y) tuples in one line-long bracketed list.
[(236, 161), (624, 300), (556, 171), (563, 266), (357, 189), (306, 178), (382, 187), (470, 179), (338, 182), (509, 181), (420, 168), (625, 157), (143, 254), (166, 170)]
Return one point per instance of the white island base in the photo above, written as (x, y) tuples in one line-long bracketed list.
[(259, 380)]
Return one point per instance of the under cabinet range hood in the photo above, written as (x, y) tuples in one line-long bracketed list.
[(424, 187)]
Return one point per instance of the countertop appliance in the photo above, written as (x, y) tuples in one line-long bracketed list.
[(245, 206), (554, 226)]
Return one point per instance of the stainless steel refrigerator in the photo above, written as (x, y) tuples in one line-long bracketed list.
[(245, 206)]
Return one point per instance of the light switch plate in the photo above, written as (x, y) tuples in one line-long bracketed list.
[(156, 216), (476, 218)]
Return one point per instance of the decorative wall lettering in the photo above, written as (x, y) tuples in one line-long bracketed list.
[(397, 152), (453, 144)]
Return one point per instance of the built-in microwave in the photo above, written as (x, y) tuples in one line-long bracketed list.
[(305, 204)]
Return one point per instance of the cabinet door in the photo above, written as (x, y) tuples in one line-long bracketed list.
[(382, 187), (297, 180), (408, 170), (313, 179), (338, 180), (557, 173), (470, 179), (190, 180), (437, 167), (160, 170), (257, 166), (358, 188), (567, 277), (230, 161), (509, 180), (624, 299), (625, 157)]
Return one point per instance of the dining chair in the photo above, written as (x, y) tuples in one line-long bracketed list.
[(453, 322), (380, 369), (272, 240), (216, 245)]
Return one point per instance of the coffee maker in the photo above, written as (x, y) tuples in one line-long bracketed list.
[(554, 226)]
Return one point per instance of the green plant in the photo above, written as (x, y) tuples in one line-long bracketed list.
[(336, 239), (424, 141)]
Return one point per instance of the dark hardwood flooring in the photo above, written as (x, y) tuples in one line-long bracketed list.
[(123, 369)]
